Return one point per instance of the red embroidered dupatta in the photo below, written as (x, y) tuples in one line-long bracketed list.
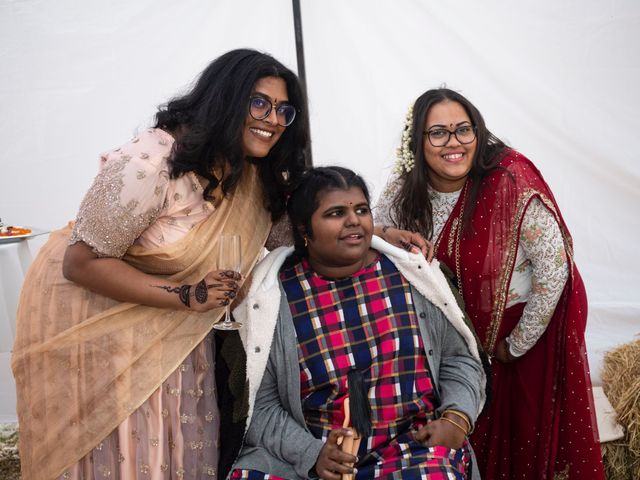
[(541, 423)]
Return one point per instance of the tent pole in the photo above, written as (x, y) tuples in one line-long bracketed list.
[(297, 25)]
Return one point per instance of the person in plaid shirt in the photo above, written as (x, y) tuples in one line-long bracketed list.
[(344, 300)]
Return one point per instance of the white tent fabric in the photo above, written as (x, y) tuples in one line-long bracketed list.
[(556, 80)]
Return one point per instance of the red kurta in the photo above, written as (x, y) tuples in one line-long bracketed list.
[(541, 422)]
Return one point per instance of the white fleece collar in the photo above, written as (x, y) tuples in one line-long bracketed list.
[(258, 312), (429, 280)]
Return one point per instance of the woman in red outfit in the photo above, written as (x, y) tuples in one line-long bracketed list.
[(496, 224)]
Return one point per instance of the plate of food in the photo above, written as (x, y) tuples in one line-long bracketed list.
[(13, 233)]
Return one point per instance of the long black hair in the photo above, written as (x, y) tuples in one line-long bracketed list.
[(304, 200), (208, 125), (412, 209)]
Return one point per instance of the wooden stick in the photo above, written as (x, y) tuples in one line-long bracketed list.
[(349, 444)]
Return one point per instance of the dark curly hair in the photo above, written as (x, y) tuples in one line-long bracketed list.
[(208, 121), (412, 209)]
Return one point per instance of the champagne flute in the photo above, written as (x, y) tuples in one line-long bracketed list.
[(229, 258)]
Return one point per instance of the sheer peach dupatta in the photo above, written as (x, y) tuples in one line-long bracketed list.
[(83, 363)]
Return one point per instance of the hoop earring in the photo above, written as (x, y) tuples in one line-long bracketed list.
[(306, 242)]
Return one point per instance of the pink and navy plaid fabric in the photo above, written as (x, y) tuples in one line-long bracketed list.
[(368, 322), (252, 475)]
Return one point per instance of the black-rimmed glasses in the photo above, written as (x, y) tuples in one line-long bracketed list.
[(260, 108), (439, 137)]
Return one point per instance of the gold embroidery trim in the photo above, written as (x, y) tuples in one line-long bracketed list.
[(563, 475), (500, 299), (458, 238), (452, 236)]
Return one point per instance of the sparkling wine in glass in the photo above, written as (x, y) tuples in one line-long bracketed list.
[(229, 258)]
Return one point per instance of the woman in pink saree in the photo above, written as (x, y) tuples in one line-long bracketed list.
[(113, 358)]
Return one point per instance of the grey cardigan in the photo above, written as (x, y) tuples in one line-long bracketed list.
[(277, 440)]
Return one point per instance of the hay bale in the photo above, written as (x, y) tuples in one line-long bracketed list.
[(615, 458), (9, 460), (621, 383)]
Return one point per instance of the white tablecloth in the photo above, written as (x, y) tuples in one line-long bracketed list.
[(14, 261)]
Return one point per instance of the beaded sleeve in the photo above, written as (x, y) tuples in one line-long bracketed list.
[(126, 196), (543, 248), (280, 234)]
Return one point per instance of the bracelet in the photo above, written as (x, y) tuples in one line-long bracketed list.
[(454, 423), (461, 415), (183, 295)]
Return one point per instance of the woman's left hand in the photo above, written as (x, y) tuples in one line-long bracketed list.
[(502, 352), (441, 432), (411, 241)]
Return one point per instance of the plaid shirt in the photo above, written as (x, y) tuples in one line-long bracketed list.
[(368, 322)]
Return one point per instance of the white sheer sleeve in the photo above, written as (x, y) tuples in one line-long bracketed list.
[(543, 246), (382, 212)]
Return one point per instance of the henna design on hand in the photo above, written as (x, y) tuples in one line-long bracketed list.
[(201, 292), (182, 291), (406, 245)]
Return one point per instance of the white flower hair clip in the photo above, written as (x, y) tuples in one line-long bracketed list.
[(405, 160)]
